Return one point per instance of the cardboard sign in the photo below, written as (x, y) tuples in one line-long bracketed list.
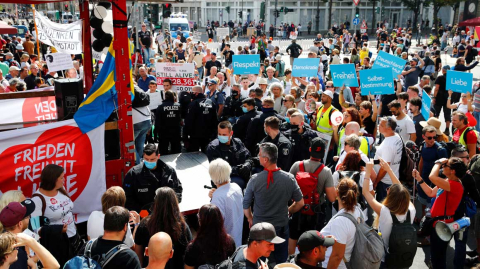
[(344, 74), (386, 60), (305, 67), (426, 104), (181, 74), (459, 81), (376, 81), (59, 61), (246, 64)]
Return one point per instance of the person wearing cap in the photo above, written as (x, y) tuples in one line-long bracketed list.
[(412, 71), (18, 52), (324, 112), (263, 85), (435, 122), (212, 62), (312, 246), (218, 98), (441, 97), (233, 105), (10, 61), (272, 190)]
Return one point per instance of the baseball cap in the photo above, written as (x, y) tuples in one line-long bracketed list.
[(9, 54), (264, 231), (262, 81), (15, 212), (317, 148), (19, 47), (329, 93), (312, 239), (446, 67), (414, 59), (14, 68), (212, 81), (214, 53)]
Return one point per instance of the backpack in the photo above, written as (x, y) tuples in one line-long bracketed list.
[(406, 166), (308, 185), (355, 175), (141, 98), (86, 260), (295, 52), (476, 133), (368, 251), (229, 263), (402, 243)]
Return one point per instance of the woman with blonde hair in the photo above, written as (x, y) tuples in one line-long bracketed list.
[(288, 103)]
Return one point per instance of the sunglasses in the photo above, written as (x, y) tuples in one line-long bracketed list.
[(445, 165), (430, 137), (329, 87)]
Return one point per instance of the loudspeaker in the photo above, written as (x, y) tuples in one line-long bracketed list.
[(446, 231), (112, 144), (68, 96)]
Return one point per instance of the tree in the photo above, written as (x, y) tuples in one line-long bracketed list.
[(374, 22), (414, 6), (437, 4), (330, 6)]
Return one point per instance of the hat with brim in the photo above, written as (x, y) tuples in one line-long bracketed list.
[(433, 122), (14, 212), (312, 239)]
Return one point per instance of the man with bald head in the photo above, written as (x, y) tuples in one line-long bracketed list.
[(159, 250)]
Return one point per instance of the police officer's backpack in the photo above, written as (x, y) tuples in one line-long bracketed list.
[(402, 245), (308, 185), (86, 261)]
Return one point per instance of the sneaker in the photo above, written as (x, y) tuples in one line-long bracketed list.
[(472, 253)]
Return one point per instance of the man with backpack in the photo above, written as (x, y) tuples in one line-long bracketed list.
[(312, 246), (316, 183), (464, 135), (294, 50)]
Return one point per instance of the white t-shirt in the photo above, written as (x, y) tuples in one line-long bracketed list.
[(140, 114), (391, 152), (226, 89), (462, 108), (95, 227), (385, 222), (58, 210), (344, 232), (405, 127), (336, 181), (244, 93), (344, 154)]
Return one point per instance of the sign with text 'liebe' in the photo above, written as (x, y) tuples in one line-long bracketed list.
[(376, 81), (386, 60), (459, 81), (344, 74), (246, 64), (305, 67)]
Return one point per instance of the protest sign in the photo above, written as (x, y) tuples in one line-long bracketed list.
[(386, 60), (305, 67), (222, 32), (246, 64), (343, 74), (459, 81), (181, 74), (376, 81), (426, 104), (58, 61), (66, 38), (326, 139), (25, 152), (156, 99)]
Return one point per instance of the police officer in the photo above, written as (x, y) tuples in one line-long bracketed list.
[(168, 125), (240, 127), (258, 98), (285, 126), (233, 105), (144, 179), (285, 149), (301, 135), (218, 98), (200, 121), (255, 131), (233, 151)]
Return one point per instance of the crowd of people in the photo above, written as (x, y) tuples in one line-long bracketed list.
[(288, 184)]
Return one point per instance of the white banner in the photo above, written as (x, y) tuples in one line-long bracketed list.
[(222, 32), (25, 152), (66, 38), (59, 61), (27, 110), (181, 75)]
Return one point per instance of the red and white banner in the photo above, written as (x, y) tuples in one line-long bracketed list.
[(181, 74), (25, 152)]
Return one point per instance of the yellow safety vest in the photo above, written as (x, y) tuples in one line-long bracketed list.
[(364, 147), (323, 121), (461, 140)]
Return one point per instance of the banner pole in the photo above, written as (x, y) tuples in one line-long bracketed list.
[(38, 42)]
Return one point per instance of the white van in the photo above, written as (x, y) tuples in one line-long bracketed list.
[(178, 20)]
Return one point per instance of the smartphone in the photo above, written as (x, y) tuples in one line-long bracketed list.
[(376, 161)]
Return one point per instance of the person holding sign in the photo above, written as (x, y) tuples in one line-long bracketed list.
[(465, 104)]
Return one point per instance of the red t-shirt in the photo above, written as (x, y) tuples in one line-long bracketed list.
[(470, 136), (454, 197)]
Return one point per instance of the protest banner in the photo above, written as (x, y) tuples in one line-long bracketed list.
[(426, 104), (156, 99), (25, 152), (343, 74), (66, 38), (222, 32), (386, 60), (246, 64), (459, 81), (305, 67), (58, 61), (181, 74), (376, 81)]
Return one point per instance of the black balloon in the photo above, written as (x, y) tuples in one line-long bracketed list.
[(106, 5), (96, 23), (107, 39), (97, 45), (98, 33)]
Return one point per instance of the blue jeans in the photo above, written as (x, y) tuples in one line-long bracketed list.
[(147, 54), (460, 249), (280, 254), (200, 72), (381, 191), (476, 115), (140, 132)]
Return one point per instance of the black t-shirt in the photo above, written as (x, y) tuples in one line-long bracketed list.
[(196, 254), (248, 264), (211, 63), (442, 94), (418, 128), (228, 56), (22, 259), (369, 124), (146, 38), (386, 99), (142, 237), (126, 259)]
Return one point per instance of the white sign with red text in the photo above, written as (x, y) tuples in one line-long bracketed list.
[(181, 74), (25, 152)]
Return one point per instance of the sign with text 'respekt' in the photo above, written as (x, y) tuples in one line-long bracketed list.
[(426, 104), (459, 81), (181, 74), (246, 64), (25, 152), (386, 60), (344, 74), (66, 38), (305, 67), (376, 81)]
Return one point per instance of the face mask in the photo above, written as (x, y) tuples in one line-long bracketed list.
[(244, 109), (150, 165), (265, 109), (223, 139), (294, 128), (287, 120), (234, 93), (265, 130)]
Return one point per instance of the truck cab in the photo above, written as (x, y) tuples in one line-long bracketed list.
[(176, 21)]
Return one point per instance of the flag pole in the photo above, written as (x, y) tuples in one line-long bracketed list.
[(36, 33)]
